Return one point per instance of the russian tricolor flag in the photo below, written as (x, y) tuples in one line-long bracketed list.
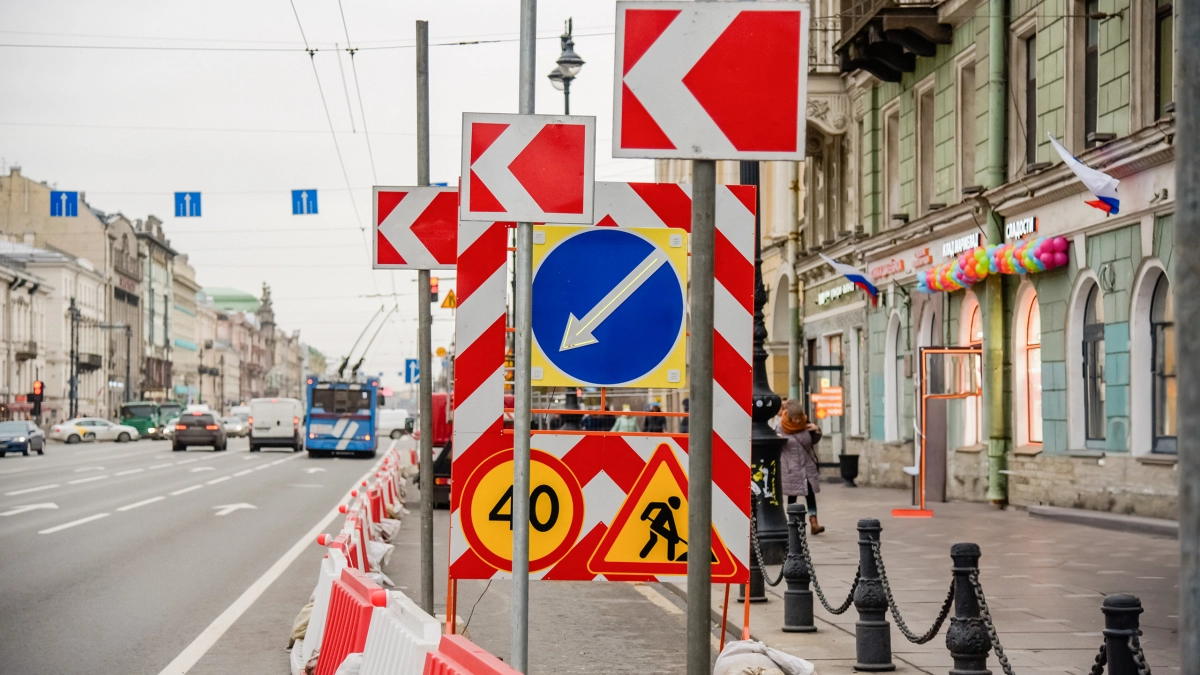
[(1102, 185), (855, 276)]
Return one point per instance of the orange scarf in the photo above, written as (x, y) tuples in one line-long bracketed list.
[(790, 426)]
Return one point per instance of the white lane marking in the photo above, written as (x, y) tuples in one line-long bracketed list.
[(226, 509), (305, 485), (85, 480), (129, 507), (162, 466), (89, 468), (313, 469), (186, 461), (194, 469), (657, 598), (243, 473), (192, 654), (247, 458), (28, 490), (262, 466), (222, 479), (73, 523), (126, 473), (280, 461), (185, 490), (29, 507)]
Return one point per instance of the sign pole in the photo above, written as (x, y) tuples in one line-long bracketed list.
[(700, 420), (522, 382), (1187, 294), (424, 338)]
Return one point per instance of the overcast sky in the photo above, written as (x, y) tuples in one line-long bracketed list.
[(233, 110)]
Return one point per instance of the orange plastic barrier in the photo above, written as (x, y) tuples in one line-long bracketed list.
[(351, 602), (457, 655)]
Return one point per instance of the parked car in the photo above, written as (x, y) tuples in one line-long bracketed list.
[(92, 429), (168, 429), (391, 422), (235, 427), (21, 436), (198, 428), (275, 422)]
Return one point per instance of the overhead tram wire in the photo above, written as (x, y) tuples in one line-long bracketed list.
[(346, 90), (362, 111)]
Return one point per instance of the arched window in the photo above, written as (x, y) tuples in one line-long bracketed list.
[(1027, 374), (971, 335), (1093, 365), (893, 379), (1162, 327)]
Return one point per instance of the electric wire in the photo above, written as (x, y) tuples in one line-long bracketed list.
[(362, 111), (346, 90)]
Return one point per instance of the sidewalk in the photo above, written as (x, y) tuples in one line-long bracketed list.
[(1044, 580)]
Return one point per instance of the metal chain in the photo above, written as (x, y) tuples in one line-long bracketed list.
[(812, 573), (887, 590), (758, 549), (1139, 657), (987, 622), (1101, 660)]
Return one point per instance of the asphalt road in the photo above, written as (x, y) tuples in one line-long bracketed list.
[(116, 557)]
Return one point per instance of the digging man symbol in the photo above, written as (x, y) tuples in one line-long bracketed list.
[(662, 523)]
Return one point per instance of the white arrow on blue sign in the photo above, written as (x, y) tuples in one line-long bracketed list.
[(412, 371), (187, 204), (304, 202), (64, 204)]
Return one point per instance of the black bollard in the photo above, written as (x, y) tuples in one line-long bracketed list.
[(967, 638), (1120, 622), (797, 599), (872, 632), (758, 582)]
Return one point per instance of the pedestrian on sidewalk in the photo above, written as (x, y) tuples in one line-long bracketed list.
[(625, 422), (655, 424), (798, 463)]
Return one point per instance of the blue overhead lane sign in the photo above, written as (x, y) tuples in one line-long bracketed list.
[(609, 306), (304, 202), (64, 204), (412, 371), (187, 204)]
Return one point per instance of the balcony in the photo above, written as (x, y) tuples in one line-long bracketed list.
[(129, 265), (885, 37), (90, 362), (823, 35), (25, 349)]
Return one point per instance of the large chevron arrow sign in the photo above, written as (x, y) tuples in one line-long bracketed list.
[(711, 80), (416, 228)]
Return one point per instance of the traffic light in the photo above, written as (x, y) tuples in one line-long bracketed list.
[(433, 289), (38, 388)]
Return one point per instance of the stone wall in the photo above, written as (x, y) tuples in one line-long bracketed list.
[(1116, 483)]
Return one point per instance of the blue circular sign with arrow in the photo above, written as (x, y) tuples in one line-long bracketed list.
[(608, 306)]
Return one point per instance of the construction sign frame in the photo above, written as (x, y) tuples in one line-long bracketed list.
[(604, 505)]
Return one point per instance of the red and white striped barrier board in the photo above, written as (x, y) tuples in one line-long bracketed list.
[(416, 228), (351, 601), (401, 635), (613, 506), (457, 655)]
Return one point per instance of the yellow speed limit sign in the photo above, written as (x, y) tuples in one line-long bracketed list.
[(555, 510)]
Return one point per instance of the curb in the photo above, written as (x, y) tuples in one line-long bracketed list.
[(1108, 521)]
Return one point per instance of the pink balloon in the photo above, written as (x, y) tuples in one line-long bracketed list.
[(1060, 259), (1060, 244)]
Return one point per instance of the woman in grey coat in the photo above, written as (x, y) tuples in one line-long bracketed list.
[(798, 462)]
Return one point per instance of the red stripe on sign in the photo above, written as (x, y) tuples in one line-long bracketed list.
[(607, 221), (483, 134), (470, 566), (551, 168), (668, 201), (479, 361), (437, 227), (731, 371), (642, 28), (731, 474), (755, 107), (482, 199), (638, 128), (573, 567), (482, 258), (734, 272), (387, 202), (746, 195), (465, 462), (385, 253)]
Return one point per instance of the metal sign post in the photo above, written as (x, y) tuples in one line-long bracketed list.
[(522, 363), (424, 326)]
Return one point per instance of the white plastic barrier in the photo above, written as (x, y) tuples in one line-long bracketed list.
[(331, 568), (400, 636)]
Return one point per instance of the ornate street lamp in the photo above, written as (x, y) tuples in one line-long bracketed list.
[(569, 65)]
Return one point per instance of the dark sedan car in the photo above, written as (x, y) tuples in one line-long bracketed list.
[(198, 428), (21, 436)]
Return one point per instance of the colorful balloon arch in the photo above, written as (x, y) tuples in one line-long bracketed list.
[(1021, 257)]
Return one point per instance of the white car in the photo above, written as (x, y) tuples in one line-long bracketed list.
[(92, 429), (235, 427), (168, 429)]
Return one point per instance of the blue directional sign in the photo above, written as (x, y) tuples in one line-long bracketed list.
[(609, 306), (187, 204), (304, 202), (412, 371), (64, 204)]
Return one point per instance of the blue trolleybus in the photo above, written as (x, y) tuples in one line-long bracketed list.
[(341, 418)]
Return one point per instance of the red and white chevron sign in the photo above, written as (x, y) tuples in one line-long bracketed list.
[(602, 484), (528, 168), (711, 80), (416, 228)]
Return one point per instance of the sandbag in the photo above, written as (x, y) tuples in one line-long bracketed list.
[(351, 665), (751, 657), (378, 554), (300, 624)]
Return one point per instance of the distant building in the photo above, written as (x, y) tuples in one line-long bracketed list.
[(185, 340), (158, 260), (23, 300)]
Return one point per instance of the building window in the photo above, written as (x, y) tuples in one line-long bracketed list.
[(1162, 327), (1093, 366), (1164, 58), (925, 119), (893, 379), (857, 368), (1031, 140), (891, 179), (966, 124), (973, 422), (1027, 369), (1091, 71), (833, 350)]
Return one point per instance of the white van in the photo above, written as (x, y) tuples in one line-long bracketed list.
[(390, 422), (276, 422)]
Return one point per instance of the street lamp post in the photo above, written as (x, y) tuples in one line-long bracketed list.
[(569, 65)]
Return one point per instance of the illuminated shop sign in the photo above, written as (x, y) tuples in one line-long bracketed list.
[(831, 294), (964, 243), (1019, 228)]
